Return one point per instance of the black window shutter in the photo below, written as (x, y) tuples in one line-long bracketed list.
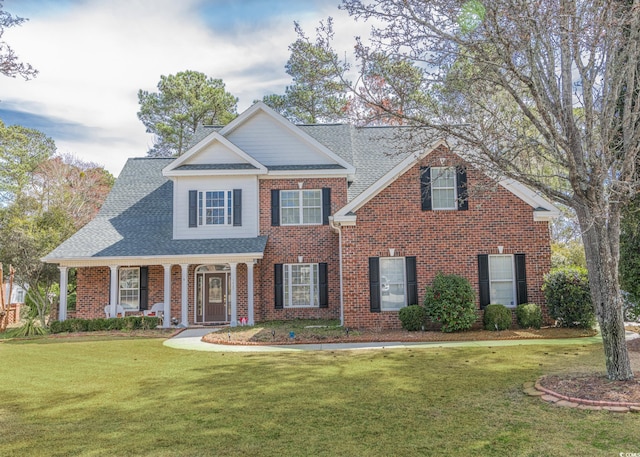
[(144, 288), (425, 188), (237, 207), (412, 281), (463, 193), (521, 279), (374, 284), (326, 205), (323, 285), (483, 280), (279, 291), (193, 208), (275, 207)]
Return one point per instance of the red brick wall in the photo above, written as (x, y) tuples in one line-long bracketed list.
[(446, 241), (316, 243)]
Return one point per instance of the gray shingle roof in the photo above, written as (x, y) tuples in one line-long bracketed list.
[(137, 220), (137, 217)]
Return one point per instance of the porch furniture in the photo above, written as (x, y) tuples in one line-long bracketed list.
[(119, 311), (156, 310)]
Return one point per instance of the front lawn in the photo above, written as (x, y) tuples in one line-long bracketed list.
[(135, 397)]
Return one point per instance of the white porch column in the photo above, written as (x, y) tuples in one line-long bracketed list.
[(250, 293), (113, 299), (185, 295), (234, 294), (166, 321), (64, 280)]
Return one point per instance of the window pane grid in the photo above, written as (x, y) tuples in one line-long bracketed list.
[(129, 288), (443, 188), (216, 208), (300, 285), (301, 207)]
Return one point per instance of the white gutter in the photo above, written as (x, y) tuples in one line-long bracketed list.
[(339, 230)]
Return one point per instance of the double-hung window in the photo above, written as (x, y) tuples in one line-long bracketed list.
[(392, 283), (502, 280), (301, 207), (393, 290), (129, 288), (443, 188), (215, 207), (300, 285)]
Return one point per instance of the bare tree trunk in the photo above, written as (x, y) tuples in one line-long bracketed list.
[(600, 235)]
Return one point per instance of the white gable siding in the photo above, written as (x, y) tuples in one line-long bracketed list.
[(214, 154), (272, 144), (183, 184)]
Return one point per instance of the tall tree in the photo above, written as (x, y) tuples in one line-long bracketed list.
[(47, 198), (10, 65), (544, 92), (391, 90), (183, 101), (318, 93)]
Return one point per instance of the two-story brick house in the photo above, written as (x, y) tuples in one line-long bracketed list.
[(263, 219)]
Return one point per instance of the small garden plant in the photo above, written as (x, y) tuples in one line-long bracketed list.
[(529, 315), (450, 303), (413, 317), (496, 317)]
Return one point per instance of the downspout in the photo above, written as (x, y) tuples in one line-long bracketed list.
[(338, 229)]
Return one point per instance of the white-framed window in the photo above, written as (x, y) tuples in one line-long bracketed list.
[(393, 284), (129, 288), (301, 207), (502, 280), (215, 207), (443, 188), (300, 285)]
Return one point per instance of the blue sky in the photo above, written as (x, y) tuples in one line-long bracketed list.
[(94, 55)]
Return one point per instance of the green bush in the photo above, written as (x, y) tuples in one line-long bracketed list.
[(450, 303), (102, 324), (28, 329), (496, 317), (566, 291), (529, 315), (412, 317)]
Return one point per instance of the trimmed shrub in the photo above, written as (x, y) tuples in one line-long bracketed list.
[(496, 317), (102, 324), (568, 299), (450, 302), (529, 315), (412, 317)]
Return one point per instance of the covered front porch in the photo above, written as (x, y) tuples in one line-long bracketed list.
[(196, 291)]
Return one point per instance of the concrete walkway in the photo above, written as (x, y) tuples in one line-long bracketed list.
[(191, 339)]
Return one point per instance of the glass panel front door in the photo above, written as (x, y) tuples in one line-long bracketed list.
[(215, 297)]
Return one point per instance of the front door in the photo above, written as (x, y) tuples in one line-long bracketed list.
[(215, 297)]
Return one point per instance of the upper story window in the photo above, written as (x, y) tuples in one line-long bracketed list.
[(301, 207), (443, 188), (215, 207)]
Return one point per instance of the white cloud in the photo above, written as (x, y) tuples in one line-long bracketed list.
[(93, 56)]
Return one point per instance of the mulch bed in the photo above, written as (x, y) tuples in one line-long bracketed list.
[(264, 336), (596, 386)]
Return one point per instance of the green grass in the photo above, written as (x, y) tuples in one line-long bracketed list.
[(138, 398)]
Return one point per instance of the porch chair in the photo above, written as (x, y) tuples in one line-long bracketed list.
[(156, 310), (119, 311)]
